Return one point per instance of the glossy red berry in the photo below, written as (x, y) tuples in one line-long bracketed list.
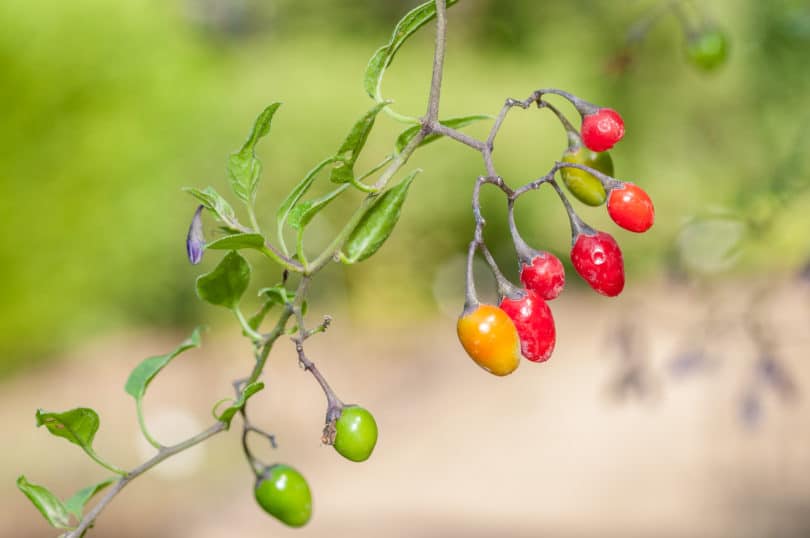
[(631, 208), (602, 129), (598, 260), (544, 275), (534, 323)]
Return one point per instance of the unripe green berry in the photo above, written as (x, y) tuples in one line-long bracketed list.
[(708, 49), (584, 186), (355, 433), (284, 494)]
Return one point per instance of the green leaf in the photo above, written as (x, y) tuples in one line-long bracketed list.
[(143, 374), (244, 169), (79, 426), (343, 172), (303, 212), (75, 505), (377, 223), (454, 123), (278, 294), (46, 502), (225, 285), (410, 23), (238, 241), (299, 191), (217, 205), (227, 415)]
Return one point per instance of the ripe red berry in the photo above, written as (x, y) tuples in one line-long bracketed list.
[(602, 129), (598, 259), (544, 275), (631, 208), (534, 323)]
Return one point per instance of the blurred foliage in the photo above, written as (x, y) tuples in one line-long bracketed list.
[(112, 107)]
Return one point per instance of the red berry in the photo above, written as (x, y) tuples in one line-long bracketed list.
[(631, 208), (534, 323), (602, 129), (598, 259), (544, 275)]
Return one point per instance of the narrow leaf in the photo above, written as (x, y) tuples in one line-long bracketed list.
[(225, 285), (238, 241), (343, 172), (410, 23), (454, 123), (227, 415), (143, 374), (299, 191), (303, 212), (244, 169), (277, 294), (46, 502), (79, 426), (377, 223), (75, 505), (216, 204)]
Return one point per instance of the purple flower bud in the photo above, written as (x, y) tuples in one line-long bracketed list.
[(195, 240)]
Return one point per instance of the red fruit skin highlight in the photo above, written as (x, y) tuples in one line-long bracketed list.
[(602, 129), (545, 276), (631, 208), (598, 260), (534, 323)]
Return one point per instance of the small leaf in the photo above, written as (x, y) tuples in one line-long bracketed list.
[(244, 169), (217, 205), (299, 191), (277, 294), (79, 426), (75, 505), (238, 241), (143, 374), (454, 123), (303, 212), (46, 502), (227, 415), (225, 285), (410, 23), (343, 172), (377, 223)]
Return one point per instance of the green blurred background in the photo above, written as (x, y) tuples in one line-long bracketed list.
[(111, 107)]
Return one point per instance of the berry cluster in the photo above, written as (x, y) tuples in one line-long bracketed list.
[(522, 324)]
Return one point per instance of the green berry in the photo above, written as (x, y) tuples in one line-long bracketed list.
[(355, 433), (284, 494), (708, 49), (584, 186)]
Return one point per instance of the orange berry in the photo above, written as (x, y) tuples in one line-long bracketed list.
[(490, 339)]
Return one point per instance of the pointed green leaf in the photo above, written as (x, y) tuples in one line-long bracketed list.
[(75, 505), (225, 285), (255, 321), (410, 23), (454, 123), (299, 191), (217, 205), (377, 223), (227, 415), (79, 426), (46, 502), (244, 169), (143, 374), (343, 172), (303, 212), (278, 294), (238, 241)]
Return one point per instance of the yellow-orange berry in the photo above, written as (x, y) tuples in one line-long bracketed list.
[(489, 337)]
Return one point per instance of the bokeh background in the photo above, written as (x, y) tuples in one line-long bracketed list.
[(676, 409)]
